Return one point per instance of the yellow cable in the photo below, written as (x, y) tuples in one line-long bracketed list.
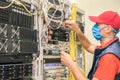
[(19, 3), (4, 7)]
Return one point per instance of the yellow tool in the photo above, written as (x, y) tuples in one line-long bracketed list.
[(72, 39)]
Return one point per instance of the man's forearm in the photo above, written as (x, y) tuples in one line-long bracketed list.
[(83, 40)]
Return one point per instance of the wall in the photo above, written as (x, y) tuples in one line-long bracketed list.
[(95, 7)]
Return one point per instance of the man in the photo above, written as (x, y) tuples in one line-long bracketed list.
[(106, 63)]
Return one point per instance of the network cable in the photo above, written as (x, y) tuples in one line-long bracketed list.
[(4, 7), (19, 3)]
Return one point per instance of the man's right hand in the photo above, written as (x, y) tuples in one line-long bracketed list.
[(72, 25), (83, 40)]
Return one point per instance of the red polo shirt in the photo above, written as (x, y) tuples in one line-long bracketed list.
[(108, 66)]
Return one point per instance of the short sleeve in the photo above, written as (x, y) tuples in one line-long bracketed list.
[(107, 67)]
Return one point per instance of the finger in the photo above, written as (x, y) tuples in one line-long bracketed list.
[(67, 22), (62, 52), (60, 55), (68, 26)]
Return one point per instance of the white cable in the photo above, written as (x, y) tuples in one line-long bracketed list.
[(53, 22)]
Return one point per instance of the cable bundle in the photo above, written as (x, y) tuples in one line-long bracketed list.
[(56, 12)]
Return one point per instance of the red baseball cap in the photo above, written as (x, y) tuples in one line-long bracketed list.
[(107, 17)]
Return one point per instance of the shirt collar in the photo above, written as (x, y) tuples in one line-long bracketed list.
[(108, 43)]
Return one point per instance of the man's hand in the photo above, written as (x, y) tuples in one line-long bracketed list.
[(66, 59), (72, 25), (83, 40)]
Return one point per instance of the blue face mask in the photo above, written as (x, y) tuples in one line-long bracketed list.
[(96, 32)]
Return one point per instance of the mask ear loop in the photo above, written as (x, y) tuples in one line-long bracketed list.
[(115, 32)]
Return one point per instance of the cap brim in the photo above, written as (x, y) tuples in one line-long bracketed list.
[(95, 19)]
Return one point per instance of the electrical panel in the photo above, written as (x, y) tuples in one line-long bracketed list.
[(15, 39), (18, 41), (59, 40), (16, 15), (15, 71), (54, 70), (81, 19), (80, 52), (55, 37), (32, 34)]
